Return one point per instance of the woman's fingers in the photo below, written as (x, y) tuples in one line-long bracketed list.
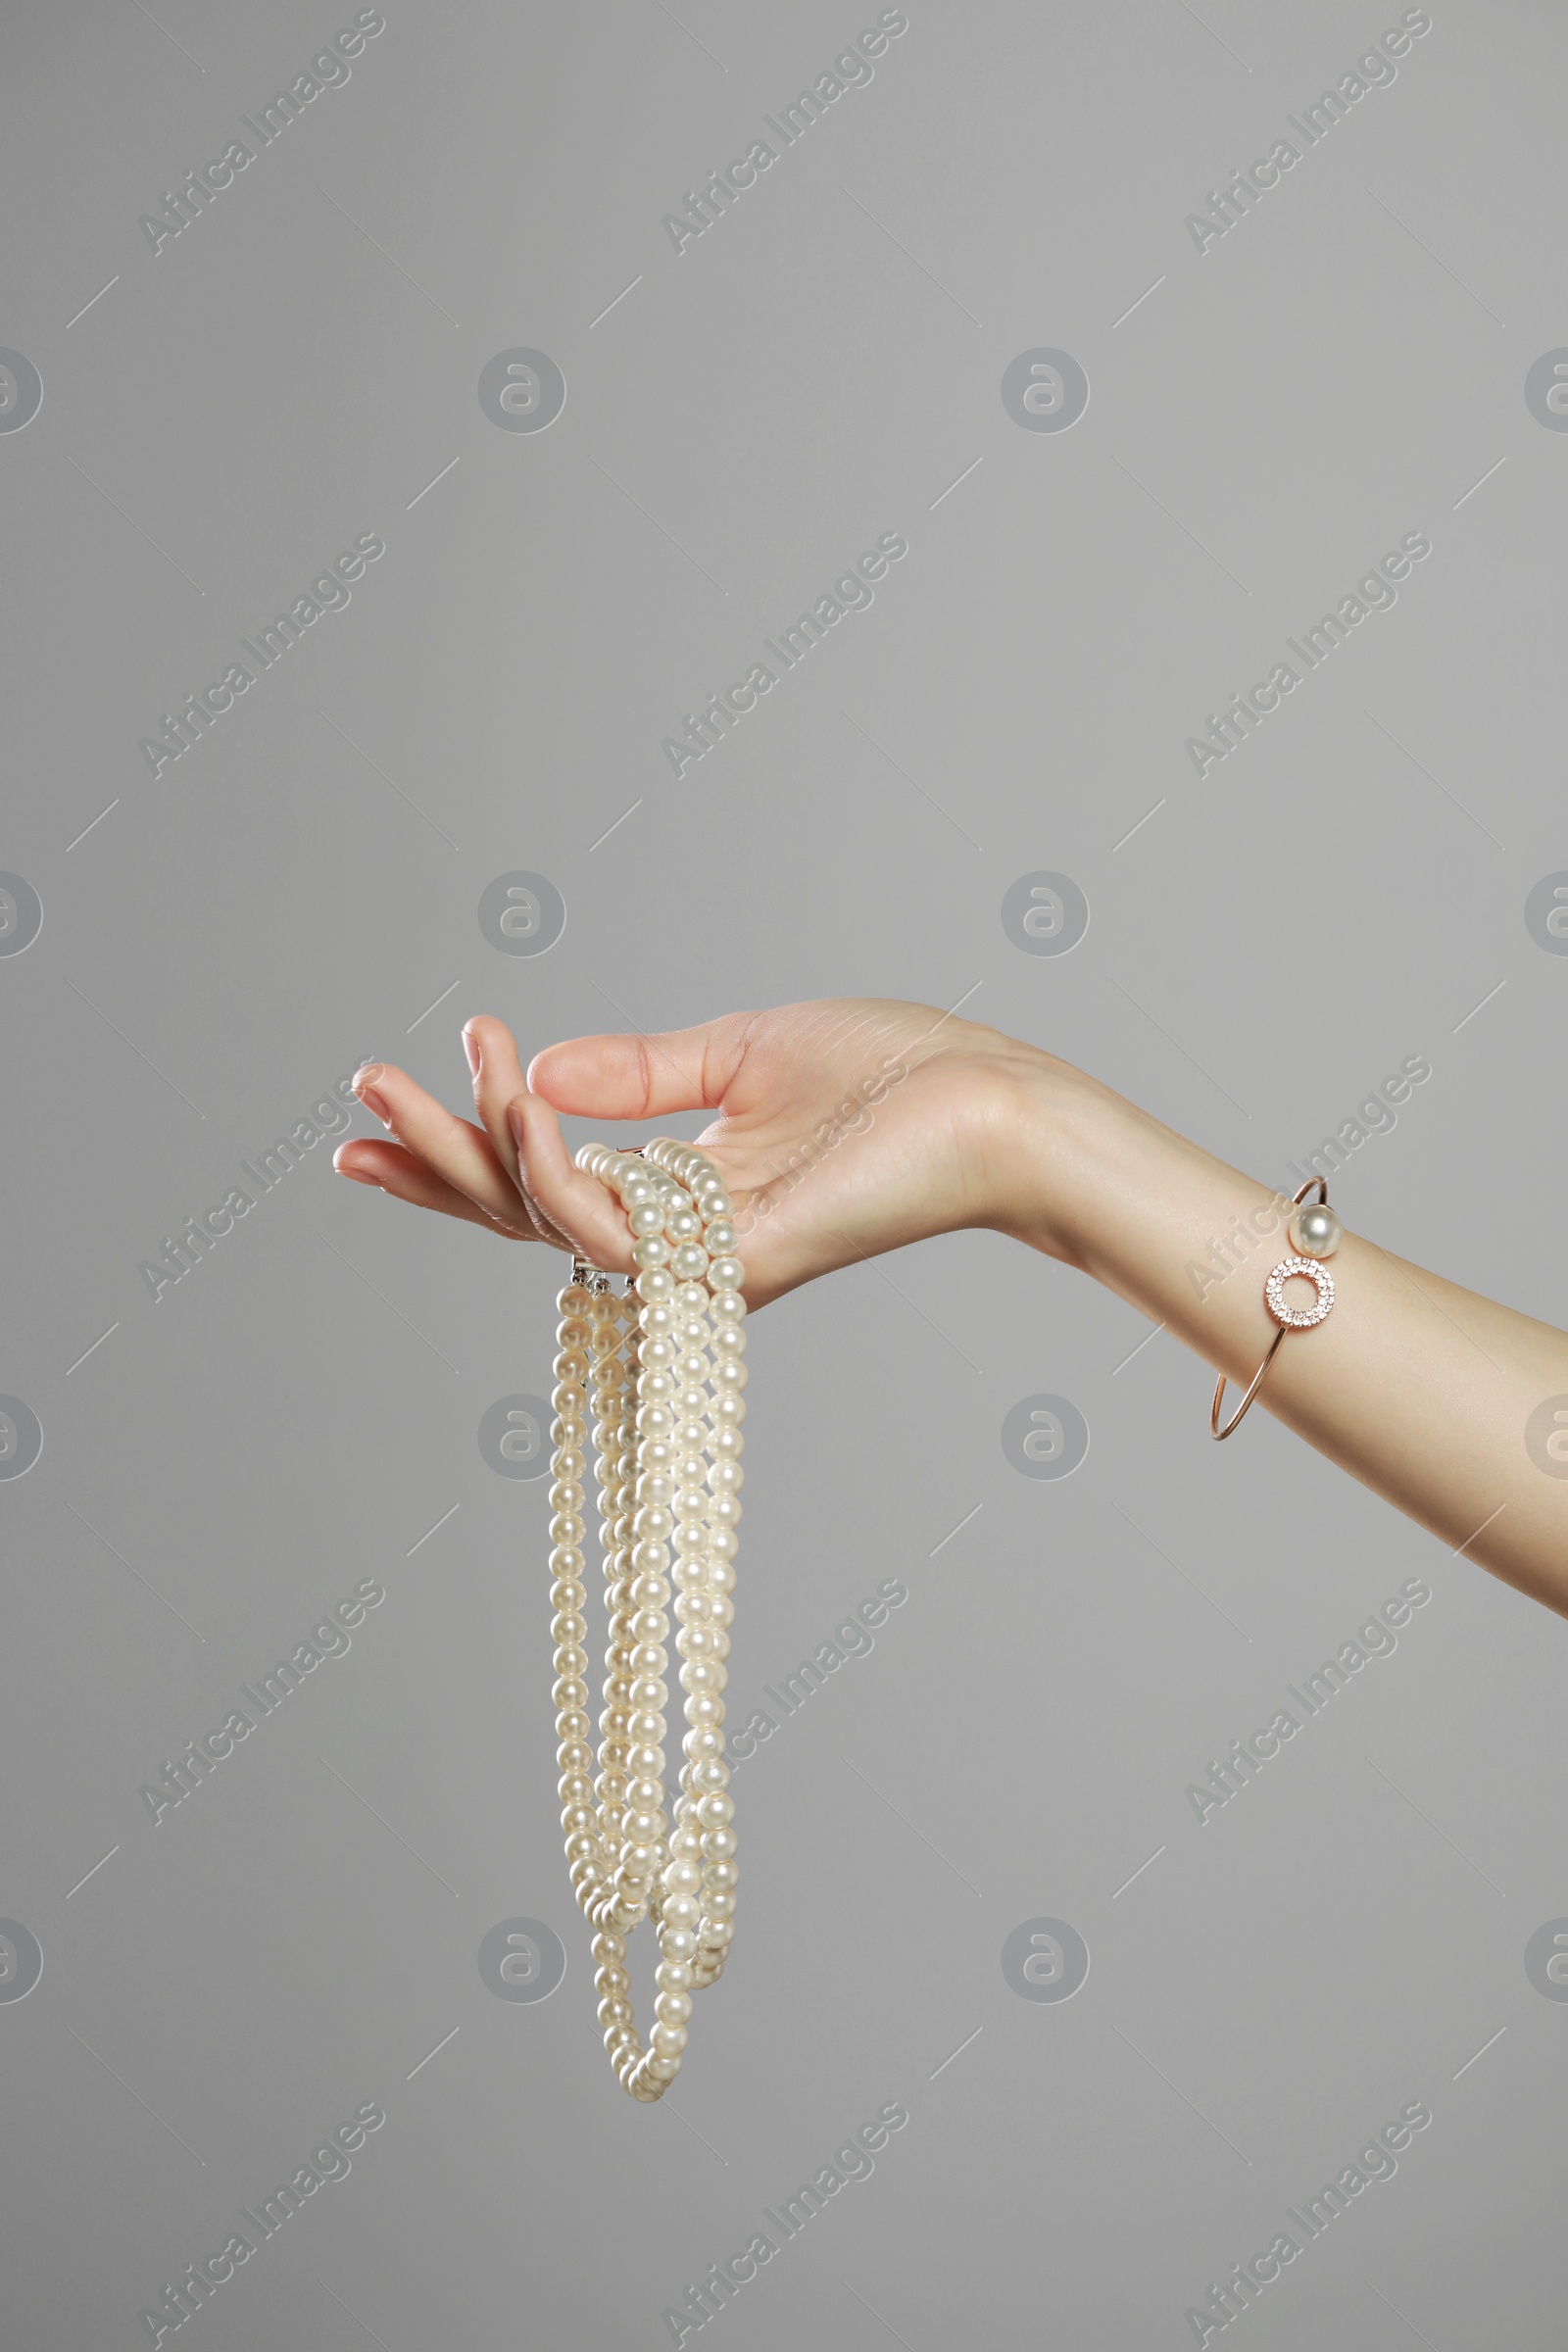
[(588, 1217), (370, 1161), (496, 1081), (636, 1077), (450, 1147)]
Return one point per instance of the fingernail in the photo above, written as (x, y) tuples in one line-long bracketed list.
[(514, 1124), (357, 1177), (367, 1075), (470, 1046)]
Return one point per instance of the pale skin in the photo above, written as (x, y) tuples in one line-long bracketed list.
[(1416, 1386)]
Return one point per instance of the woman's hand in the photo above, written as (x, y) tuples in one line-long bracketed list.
[(843, 1128)]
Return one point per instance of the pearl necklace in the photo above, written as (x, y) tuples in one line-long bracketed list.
[(664, 1364)]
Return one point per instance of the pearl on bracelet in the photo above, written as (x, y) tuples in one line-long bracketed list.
[(664, 1362)]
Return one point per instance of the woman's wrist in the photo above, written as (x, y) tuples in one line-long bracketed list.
[(1062, 1147), (1094, 1181)]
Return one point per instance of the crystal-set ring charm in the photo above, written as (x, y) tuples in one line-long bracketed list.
[(660, 1369), (1314, 1232), (1298, 1318)]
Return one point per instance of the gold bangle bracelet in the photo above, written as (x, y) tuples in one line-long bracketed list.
[(1314, 1234)]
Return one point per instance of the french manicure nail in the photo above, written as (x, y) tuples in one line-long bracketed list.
[(515, 1123), (470, 1046)]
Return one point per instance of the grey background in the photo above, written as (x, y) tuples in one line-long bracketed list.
[(302, 1410)]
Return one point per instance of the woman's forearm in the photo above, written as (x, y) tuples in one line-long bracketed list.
[(1419, 1388)]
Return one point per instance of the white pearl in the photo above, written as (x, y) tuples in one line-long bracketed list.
[(1315, 1230)]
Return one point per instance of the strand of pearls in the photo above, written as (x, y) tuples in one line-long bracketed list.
[(662, 1367)]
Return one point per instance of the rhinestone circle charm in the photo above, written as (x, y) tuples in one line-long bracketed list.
[(1298, 1318)]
